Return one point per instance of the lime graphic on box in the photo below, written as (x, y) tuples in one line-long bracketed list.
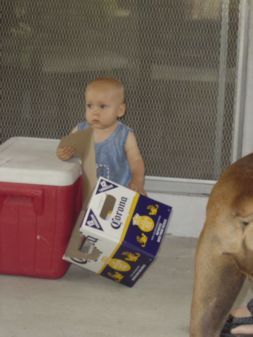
[(153, 209), (116, 276), (131, 257), (119, 265), (142, 239), (144, 222)]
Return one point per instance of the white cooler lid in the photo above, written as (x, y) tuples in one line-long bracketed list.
[(34, 161)]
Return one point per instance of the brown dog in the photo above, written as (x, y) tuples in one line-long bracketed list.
[(224, 255)]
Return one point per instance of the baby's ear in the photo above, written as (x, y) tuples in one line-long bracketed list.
[(122, 110)]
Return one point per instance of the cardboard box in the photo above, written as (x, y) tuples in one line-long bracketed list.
[(83, 143), (123, 232), (118, 232)]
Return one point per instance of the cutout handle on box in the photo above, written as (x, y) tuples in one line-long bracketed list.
[(87, 251), (36, 195), (108, 206)]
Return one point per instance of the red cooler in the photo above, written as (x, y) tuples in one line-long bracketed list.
[(40, 198)]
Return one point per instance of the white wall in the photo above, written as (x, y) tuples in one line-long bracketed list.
[(188, 214)]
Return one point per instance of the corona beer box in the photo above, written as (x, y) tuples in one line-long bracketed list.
[(122, 231), (40, 199)]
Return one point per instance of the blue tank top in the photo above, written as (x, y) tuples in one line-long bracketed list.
[(111, 157)]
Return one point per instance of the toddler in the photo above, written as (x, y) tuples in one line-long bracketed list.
[(118, 157)]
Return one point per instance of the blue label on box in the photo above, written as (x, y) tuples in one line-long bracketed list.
[(93, 222), (148, 225), (127, 265), (105, 185), (141, 242)]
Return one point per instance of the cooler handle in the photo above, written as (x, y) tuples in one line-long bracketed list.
[(35, 194)]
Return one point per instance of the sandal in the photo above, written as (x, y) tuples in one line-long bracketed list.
[(234, 322)]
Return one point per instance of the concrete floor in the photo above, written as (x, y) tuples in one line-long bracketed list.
[(82, 304)]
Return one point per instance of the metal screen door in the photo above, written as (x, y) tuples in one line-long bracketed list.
[(176, 58)]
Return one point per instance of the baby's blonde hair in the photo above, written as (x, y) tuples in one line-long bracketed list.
[(108, 82)]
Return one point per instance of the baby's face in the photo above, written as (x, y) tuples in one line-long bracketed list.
[(103, 107)]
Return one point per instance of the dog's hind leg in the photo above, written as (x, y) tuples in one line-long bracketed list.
[(217, 284)]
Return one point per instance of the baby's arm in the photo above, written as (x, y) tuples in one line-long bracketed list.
[(66, 152), (136, 164)]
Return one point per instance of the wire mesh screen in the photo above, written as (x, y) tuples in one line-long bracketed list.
[(176, 58)]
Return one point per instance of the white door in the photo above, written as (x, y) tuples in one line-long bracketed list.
[(187, 196)]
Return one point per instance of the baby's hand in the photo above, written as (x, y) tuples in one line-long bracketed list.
[(137, 187), (65, 152)]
